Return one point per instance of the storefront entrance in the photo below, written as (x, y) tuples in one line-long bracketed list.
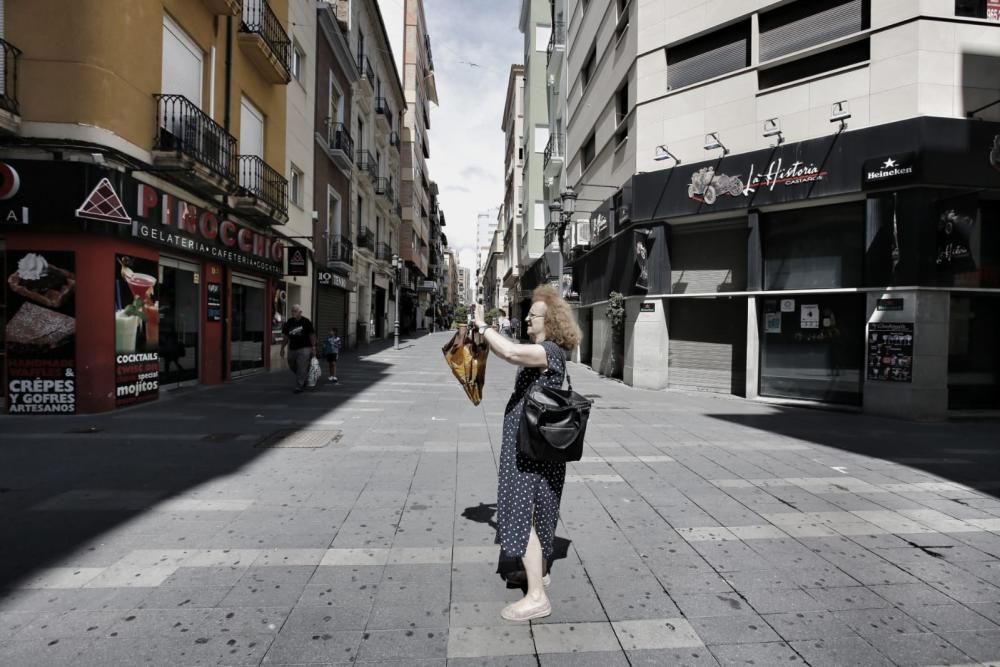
[(973, 358), (180, 315), (246, 335)]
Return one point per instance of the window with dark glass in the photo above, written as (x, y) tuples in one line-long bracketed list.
[(708, 56), (971, 8), (814, 248), (587, 71), (588, 152), (849, 54)]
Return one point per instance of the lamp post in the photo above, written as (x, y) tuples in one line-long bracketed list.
[(397, 267), (565, 207)]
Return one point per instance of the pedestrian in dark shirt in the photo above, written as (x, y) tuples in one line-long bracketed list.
[(300, 338)]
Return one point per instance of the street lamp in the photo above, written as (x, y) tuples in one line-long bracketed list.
[(397, 267), (565, 207)]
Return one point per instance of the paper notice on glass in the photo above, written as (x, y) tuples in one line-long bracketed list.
[(772, 322), (788, 305), (810, 316)]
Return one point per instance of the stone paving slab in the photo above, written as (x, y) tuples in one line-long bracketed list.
[(697, 530)]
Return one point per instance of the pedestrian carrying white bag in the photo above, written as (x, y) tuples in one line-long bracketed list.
[(314, 372)]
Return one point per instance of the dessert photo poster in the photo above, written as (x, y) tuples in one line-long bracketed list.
[(137, 330), (41, 332)]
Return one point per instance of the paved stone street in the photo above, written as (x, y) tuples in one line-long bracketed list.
[(245, 525)]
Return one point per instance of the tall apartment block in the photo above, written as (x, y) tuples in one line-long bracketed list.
[(145, 198), (512, 210), (422, 219), (806, 200)]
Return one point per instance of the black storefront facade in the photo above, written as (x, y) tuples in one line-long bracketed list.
[(862, 268)]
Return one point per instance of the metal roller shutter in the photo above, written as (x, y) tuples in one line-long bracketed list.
[(331, 311), (808, 23), (718, 53), (708, 345)]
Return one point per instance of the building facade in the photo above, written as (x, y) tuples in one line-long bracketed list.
[(513, 198), (826, 227), (153, 208), (375, 225)]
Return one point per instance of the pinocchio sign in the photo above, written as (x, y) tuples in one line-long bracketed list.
[(166, 220)]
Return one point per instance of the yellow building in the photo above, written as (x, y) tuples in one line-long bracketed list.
[(146, 137)]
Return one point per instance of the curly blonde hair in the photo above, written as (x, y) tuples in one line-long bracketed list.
[(560, 325)]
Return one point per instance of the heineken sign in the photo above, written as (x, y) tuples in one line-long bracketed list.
[(889, 169)]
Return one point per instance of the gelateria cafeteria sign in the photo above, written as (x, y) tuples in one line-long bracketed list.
[(168, 221)]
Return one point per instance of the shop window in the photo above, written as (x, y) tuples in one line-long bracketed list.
[(812, 347), (850, 54), (814, 248), (973, 356), (711, 55), (964, 243), (807, 23)]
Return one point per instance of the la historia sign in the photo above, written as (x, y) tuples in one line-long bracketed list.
[(167, 220)]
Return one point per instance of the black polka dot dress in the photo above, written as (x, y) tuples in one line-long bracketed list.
[(527, 488)]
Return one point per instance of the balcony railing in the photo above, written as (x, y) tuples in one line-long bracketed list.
[(259, 180), (394, 139), (383, 186), (340, 250), (365, 67), (8, 96), (383, 251), (382, 107), (366, 162), (366, 239), (187, 130), (557, 40), (259, 19), (555, 149), (338, 138)]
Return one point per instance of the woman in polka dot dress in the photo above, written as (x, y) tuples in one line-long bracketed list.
[(528, 491)]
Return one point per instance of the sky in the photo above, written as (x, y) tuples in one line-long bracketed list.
[(474, 43)]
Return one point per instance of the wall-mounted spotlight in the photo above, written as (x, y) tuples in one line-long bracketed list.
[(839, 113), (772, 128), (712, 142), (661, 152)]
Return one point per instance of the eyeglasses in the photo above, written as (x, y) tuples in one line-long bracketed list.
[(531, 316)]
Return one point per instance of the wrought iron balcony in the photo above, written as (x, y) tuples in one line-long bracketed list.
[(265, 41), (339, 144), (366, 162), (383, 186), (8, 96), (557, 43), (365, 67), (383, 251), (340, 250), (201, 149), (366, 240), (555, 152), (263, 191)]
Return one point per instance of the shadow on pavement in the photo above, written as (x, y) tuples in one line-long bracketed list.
[(965, 453), (68, 484)]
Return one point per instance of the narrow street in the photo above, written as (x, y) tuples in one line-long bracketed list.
[(245, 525)]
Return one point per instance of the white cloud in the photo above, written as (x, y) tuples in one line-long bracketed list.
[(474, 43)]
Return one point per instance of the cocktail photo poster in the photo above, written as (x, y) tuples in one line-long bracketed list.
[(41, 332), (137, 330)]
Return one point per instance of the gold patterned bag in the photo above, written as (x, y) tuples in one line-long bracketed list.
[(466, 356)]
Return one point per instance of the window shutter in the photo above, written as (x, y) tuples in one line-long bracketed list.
[(807, 23), (718, 53)]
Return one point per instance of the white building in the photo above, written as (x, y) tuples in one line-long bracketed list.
[(781, 187)]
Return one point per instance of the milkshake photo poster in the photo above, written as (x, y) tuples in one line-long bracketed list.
[(137, 330), (41, 332)]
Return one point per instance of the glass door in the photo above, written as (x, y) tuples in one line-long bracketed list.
[(180, 319), (246, 335)]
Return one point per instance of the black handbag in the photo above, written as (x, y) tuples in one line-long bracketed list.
[(553, 423)]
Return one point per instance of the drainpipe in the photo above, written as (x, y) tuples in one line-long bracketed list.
[(229, 73)]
